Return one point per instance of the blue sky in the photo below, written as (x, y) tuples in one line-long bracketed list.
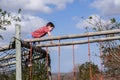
[(66, 15)]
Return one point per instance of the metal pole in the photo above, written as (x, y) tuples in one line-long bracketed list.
[(18, 52), (71, 43), (90, 34), (13, 62), (63, 44), (80, 42)]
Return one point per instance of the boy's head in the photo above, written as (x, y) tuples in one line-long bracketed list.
[(50, 25)]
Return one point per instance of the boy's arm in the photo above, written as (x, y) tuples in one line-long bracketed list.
[(49, 34)]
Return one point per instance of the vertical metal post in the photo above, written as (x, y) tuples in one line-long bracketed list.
[(30, 75), (18, 52)]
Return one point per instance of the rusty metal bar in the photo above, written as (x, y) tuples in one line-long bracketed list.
[(79, 42), (13, 62), (115, 31)]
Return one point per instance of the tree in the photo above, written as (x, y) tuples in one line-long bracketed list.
[(111, 61), (6, 18), (40, 62), (110, 49), (84, 71), (39, 70)]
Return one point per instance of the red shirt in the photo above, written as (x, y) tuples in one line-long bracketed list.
[(40, 32)]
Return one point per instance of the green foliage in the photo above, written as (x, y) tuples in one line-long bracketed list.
[(19, 11), (110, 49), (1, 37), (113, 20), (0, 10), (6, 19), (111, 60), (39, 70), (90, 17), (84, 70), (3, 77), (7, 75)]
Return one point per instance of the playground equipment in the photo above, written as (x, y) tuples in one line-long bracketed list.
[(36, 53)]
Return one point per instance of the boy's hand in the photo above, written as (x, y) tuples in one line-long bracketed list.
[(50, 36)]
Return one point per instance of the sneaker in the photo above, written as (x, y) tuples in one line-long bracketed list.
[(29, 65)]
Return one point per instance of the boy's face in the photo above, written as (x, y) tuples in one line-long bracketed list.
[(50, 28)]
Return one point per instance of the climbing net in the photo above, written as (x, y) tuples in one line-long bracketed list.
[(35, 62)]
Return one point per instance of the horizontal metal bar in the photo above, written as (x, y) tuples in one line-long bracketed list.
[(79, 42), (7, 57), (70, 43), (68, 37), (115, 31), (3, 48), (7, 64), (14, 62)]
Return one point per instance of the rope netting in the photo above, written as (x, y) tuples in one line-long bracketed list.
[(35, 62)]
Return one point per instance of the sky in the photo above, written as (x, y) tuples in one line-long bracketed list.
[(69, 17)]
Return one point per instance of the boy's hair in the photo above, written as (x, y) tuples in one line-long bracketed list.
[(50, 24)]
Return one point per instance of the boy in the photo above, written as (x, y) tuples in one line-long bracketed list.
[(40, 33), (43, 30)]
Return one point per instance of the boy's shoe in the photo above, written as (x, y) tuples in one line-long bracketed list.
[(29, 65)]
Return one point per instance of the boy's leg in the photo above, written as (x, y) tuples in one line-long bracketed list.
[(27, 61)]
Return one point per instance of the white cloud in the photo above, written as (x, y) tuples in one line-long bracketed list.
[(94, 22), (28, 24), (108, 7), (45, 6)]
